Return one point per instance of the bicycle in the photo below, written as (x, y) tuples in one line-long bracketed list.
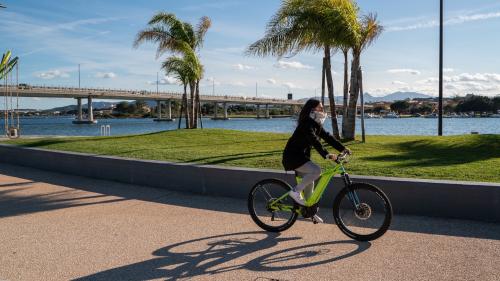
[(361, 210)]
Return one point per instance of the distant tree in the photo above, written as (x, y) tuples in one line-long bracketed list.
[(400, 105), (140, 104), (122, 107), (378, 108), (496, 103), (475, 103), (450, 107), (132, 108)]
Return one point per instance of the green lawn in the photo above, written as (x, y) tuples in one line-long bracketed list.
[(466, 157)]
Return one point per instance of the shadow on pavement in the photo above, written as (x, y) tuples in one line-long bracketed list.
[(213, 255), (109, 192)]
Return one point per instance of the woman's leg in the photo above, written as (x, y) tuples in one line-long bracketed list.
[(309, 173)]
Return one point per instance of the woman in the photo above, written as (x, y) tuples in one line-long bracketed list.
[(297, 153)]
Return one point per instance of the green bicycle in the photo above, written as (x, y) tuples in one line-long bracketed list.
[(361, 210)]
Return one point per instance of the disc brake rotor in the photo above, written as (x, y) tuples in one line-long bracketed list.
[(364, 211)]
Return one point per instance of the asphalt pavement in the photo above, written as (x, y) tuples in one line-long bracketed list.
[(62, 227)]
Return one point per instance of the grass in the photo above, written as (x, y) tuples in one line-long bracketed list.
[(465, 157)]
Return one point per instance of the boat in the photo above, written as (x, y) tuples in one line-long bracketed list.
[(372, 115), (391, 115)]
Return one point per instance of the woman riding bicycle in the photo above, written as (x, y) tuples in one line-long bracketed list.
[(297, 153)]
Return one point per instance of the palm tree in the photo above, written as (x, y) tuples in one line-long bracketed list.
[(307, 25), (345, 52), (186, 69), (7, 64), (369, 30), (173, 35)]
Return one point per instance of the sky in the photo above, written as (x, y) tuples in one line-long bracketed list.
[(52, 37)]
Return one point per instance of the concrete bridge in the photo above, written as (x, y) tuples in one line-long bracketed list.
[(95, 93)]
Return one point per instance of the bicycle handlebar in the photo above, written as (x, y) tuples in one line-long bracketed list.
[(342, 157)]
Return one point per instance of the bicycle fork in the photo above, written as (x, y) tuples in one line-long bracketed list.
[(351, 194)]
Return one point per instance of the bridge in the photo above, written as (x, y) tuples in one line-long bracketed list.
[(99, 93)]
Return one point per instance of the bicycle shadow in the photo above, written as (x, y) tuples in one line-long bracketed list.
[(213, 255)]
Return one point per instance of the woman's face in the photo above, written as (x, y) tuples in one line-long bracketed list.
[(318, 108)]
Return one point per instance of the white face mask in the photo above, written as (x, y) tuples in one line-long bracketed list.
[(318, 116)]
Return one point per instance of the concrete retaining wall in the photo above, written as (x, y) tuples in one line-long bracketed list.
[(449, 199)]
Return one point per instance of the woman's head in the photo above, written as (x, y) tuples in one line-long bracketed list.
[(310, 106)]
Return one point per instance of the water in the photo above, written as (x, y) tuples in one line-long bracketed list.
[(401, 126)]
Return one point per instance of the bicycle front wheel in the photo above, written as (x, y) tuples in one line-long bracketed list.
[(362, 212), (268, 212)]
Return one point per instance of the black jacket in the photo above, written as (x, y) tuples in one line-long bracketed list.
[(298, 148)]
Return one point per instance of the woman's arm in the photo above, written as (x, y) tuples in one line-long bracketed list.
[(331, 140), (313, 139)]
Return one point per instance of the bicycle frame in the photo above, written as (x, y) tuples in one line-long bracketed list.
[(320, 188)]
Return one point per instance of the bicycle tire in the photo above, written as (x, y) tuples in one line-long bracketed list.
[(251, 206), (345, 229)]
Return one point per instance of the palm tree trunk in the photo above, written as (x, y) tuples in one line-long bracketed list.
[(331, 97), (186, 106), (195, 105), (353, 100), (360, 83), (346, 94), (182, 106), (191, 104), (197, 112), (323, 82)]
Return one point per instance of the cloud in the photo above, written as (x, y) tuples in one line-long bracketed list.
[(452, 21), (237, 83), (448, 70), (486, 83), (271, 81), (105, 75), (404, 70), (74, 24), (51, 74), (166, 80), (399, 83), (240, 66), (290, 85), (292, 65), (212, 81)]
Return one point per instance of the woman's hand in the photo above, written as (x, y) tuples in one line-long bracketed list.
[(347, 151), (332, 157)]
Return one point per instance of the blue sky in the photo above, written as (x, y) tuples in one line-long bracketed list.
[(53, 37)]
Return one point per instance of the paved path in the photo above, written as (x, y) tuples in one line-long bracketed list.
[(60, 227)]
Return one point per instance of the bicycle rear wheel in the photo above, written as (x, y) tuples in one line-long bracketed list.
[(278, 217), (370, 220)]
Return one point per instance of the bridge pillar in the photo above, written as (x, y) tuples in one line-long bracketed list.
[(267, 110), (158, 108), (169, 109), (215, 110), (90, 110), (225, 110), (79, 104), (258, 111)]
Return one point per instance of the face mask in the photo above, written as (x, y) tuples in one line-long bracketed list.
[(318, 116)]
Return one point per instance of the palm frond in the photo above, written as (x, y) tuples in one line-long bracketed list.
[(304, 25), (7, 65), (201, 30)]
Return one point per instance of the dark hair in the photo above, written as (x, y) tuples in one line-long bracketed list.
[(306, 110)]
